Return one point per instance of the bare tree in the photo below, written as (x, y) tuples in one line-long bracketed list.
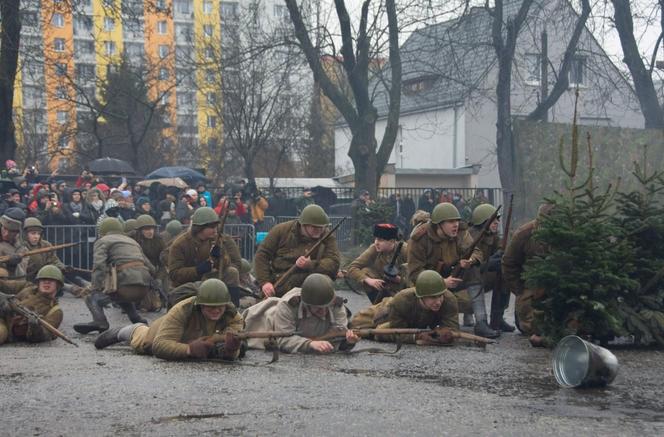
[(369, 160), (641, 74)]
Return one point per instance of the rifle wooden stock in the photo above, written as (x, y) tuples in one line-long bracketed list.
[(29, 313), (251, 334), (38, 251), (341, 333), (496, 311), (290, 271), (456, 271)]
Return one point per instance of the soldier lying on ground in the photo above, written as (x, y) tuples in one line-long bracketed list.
[(369, 268), (312, 311), (193, 328), (426, 306), (287, 243), (41, 299)]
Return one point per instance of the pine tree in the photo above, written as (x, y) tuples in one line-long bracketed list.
[(583, 274)]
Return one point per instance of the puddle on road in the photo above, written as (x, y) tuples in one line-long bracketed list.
[(187, 417)]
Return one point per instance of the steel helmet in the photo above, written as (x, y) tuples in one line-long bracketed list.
[(204, 216), (245, 266), (130, 225), (444, 211), (145, 221), (110, 225), (482, 213), (314, 215), (50, 272), (429, 283), (213, 292), (174, 227), (317, 290)]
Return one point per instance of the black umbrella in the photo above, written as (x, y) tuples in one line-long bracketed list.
[(190, 176), (111, 166)]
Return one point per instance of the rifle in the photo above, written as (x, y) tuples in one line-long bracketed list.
[(27, 313), (456, 270), (308, 253), (39, 251), (340, 334), (390, 271), (497, 294)]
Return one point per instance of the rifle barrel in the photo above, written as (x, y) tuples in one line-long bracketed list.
[(50, 328)]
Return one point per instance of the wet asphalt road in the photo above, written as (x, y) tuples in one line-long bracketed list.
[(507, 389)]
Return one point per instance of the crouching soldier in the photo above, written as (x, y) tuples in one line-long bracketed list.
[(41, 299), (194, 328), (121, 273), (311, 311), (428, 305), (369, 269)]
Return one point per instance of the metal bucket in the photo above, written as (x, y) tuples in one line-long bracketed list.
[(578, 363)]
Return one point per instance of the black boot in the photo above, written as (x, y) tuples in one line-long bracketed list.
[(95, 303), (107, 338), (483, 330), (133, 315), (506, 327)]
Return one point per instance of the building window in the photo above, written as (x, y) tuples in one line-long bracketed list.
[(63, 142), (183, 6), (207, 7), (163, 73), (109, 24), (84, 47), (58, 20), (211, 98), (29, 18), (211, 121), (164, 99), (532, 66), (109, 48), (161, 5), (82, 24), (162, 27), (163, 51), (229, 9), (209, 76), (85, 71), (108, 3), (60, 69), (61, 93), (209, 53), (61, 117), (577, 71), (208, 30), (59, 44), (281, 12)]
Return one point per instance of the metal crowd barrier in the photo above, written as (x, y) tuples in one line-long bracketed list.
[(79, 256), (245, 237)]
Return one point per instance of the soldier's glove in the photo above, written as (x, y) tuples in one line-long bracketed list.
[(493, 265), (14, 260), (215, 252), (444, 335), (200, 348), (204, 267), (231, 347)]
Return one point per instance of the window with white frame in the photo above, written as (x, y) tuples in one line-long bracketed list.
[(163, 73), (209, 53), (61, 93), (109, 24), (577, 71), (58, 20), (211, 121), (229, 9), (59, 44), (207, 7), (60, 68), (109, 48), (163, 51), (211, 98), (61, 117), (208, 30), (209, 76), (162, 27)]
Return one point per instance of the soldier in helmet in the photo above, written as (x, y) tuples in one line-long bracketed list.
[(41, 299), (130, 227), (311, 311), (195, 255), (10, 228), (368, 268), (173, 229), (121, 273), (520, 249), (428, 305), (32, 239), (152, 245), (287, 243), (473, 278), (189, 330), (439, 245)]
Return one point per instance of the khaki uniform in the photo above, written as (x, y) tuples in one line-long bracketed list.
[(168, 239), (282, 246), (289, 314), (152, 248), (428, 251), (167, 337), (9, 249), (31, 264), (521, 248), (370, 264), (405, 311), (187, 251), (134, 270), (488, 245), (14, 327)]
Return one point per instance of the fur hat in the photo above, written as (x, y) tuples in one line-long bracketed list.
[(386, 231)]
